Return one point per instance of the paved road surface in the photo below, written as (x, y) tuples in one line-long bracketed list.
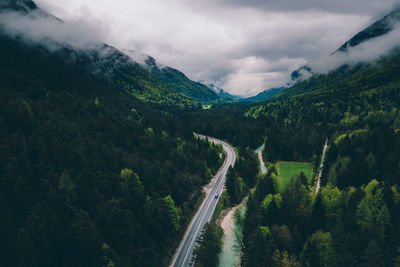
[(321, 167), (183, 255)]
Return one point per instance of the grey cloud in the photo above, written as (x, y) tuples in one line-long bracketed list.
[(338, 6), (41, 28), (242, 46)]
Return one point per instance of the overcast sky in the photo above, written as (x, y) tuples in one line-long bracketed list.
[(243, 46)]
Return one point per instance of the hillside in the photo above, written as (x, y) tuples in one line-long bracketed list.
[(90, 175), (178, 81), (354, 220), (356, 108), (164, 87), (264, 95), (379, 28), (99, 165)]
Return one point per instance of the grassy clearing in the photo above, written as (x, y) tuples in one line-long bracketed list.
[(287, 170)]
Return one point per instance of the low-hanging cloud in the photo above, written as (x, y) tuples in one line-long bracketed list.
[(242, 46), (367, 52), (41, 28)]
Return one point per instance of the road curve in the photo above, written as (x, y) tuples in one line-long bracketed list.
[(183, 255)]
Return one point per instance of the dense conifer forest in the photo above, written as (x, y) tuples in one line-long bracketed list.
[(99, 165), (90, 175), (353, 220)]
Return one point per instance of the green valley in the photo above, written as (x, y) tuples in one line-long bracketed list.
[(107, 161)]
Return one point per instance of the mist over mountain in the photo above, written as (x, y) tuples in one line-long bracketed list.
[(379, 28), (18, 5), (100, 166), (83, 44), (265, 95), (367, 45)]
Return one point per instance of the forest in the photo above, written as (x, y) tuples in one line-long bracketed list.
[(354, 219), (90, 175), (99, 165)]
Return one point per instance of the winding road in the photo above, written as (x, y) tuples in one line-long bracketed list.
[(183, 255)]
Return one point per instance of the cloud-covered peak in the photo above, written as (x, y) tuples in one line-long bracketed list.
[(244, 47), (17, 5)]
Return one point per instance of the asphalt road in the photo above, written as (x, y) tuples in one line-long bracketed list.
[(183, 255), (321, 167)]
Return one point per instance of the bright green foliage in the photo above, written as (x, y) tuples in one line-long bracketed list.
[(330, 198), (173, 214), (373, 214), (178, 82)]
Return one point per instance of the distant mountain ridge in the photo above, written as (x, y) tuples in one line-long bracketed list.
[(179, 82), (135, 72), (264, 95), (379, 28), (18, 5), (221, 92)]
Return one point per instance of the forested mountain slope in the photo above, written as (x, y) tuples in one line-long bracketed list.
[(89, 175), (162, 86), (178, 81), (379, 28), (354, 220)]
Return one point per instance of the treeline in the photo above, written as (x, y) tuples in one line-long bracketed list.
[(89, 175), (227, 122), (364, 96), (242, 176), (349, 227), (354, 220), (209, 245)]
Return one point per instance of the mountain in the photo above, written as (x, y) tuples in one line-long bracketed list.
[(175, 79), (18, 5), (264, 95), (90, 175), (356, 109), (222, 93), (178, 82), (165, 87), (379, 28), (121, 70)]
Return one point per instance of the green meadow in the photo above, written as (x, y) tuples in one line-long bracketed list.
[(287, 169)]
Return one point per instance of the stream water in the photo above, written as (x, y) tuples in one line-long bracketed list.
[(260, 158), (230, 254)]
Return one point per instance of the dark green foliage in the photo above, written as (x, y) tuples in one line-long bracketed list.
[(264, 95), (260, 248), (89, 175), (242, 176), (209, 245), (318, 250), (353, 220), (318, 214), (178, 82)]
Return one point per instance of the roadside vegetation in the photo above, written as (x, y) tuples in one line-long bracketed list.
[(90, 175)]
